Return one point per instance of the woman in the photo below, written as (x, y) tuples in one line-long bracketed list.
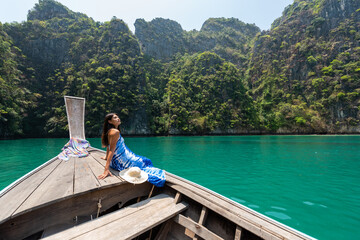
[(120, 157)]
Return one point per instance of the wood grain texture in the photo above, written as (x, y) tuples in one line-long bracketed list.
[(127, 223), (13, 199), (58, 185), (199, 230), (98, 169), (97, 156), (63, 212), (202, 218), (238, 232), (84, 178), (165, 227)]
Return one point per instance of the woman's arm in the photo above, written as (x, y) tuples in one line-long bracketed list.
[(113, 137), (107, 153)]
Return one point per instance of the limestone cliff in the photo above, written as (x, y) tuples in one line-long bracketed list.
[(304, 71), (163, 38), (301, 76), (47, 35), (48, 9), (160, 38)]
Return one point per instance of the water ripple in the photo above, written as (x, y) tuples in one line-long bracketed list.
[(278, 215)]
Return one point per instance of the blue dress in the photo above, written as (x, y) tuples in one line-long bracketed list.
[(124, 158)]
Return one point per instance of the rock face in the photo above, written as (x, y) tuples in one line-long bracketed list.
[(45, 38), (160, 38), (230, 38), (163, 38), (301, 67), (48, 9), (48, 51), (322, 14), (244, 30), (335, 11), (137, 124)]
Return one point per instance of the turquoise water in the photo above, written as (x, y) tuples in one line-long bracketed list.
[(310, 183)]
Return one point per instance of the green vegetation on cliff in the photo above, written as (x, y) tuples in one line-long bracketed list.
[(230, 38), (303, 73), (205, 93), (302, 76), (15, 100)]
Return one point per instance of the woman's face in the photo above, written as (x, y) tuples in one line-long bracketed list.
[(115, 120)]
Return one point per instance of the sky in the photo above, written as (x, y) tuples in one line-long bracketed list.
[(190, 14)]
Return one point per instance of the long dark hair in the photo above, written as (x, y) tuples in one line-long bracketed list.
[(106, 127)]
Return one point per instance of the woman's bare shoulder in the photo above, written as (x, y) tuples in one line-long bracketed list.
[(114, 132)]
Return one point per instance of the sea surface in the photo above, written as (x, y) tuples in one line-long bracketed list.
[(310, 183)]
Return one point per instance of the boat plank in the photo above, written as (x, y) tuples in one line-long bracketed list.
[(199, 230), (17, 195), (108, 180), (98, 169), (165, 227), (84, 178), (238, 233), (64, 211), (244, 217), (102, 221), (130, 227), (97, 155), (58, 185), (203, 215), (126, 223)]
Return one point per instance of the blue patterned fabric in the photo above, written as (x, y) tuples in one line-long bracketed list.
[(124, 158)]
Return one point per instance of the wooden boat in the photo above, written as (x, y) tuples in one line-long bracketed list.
[(65, 200)]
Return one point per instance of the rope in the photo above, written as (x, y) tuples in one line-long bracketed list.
[(99, 207)]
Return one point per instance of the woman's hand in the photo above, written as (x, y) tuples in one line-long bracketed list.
[(105, 174)]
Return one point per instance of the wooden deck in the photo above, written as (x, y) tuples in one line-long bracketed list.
[(55, 181), (126, 223)]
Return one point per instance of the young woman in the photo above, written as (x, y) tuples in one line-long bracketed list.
[(120, 157)]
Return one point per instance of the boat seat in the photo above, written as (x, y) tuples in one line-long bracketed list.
[(126, 223)]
